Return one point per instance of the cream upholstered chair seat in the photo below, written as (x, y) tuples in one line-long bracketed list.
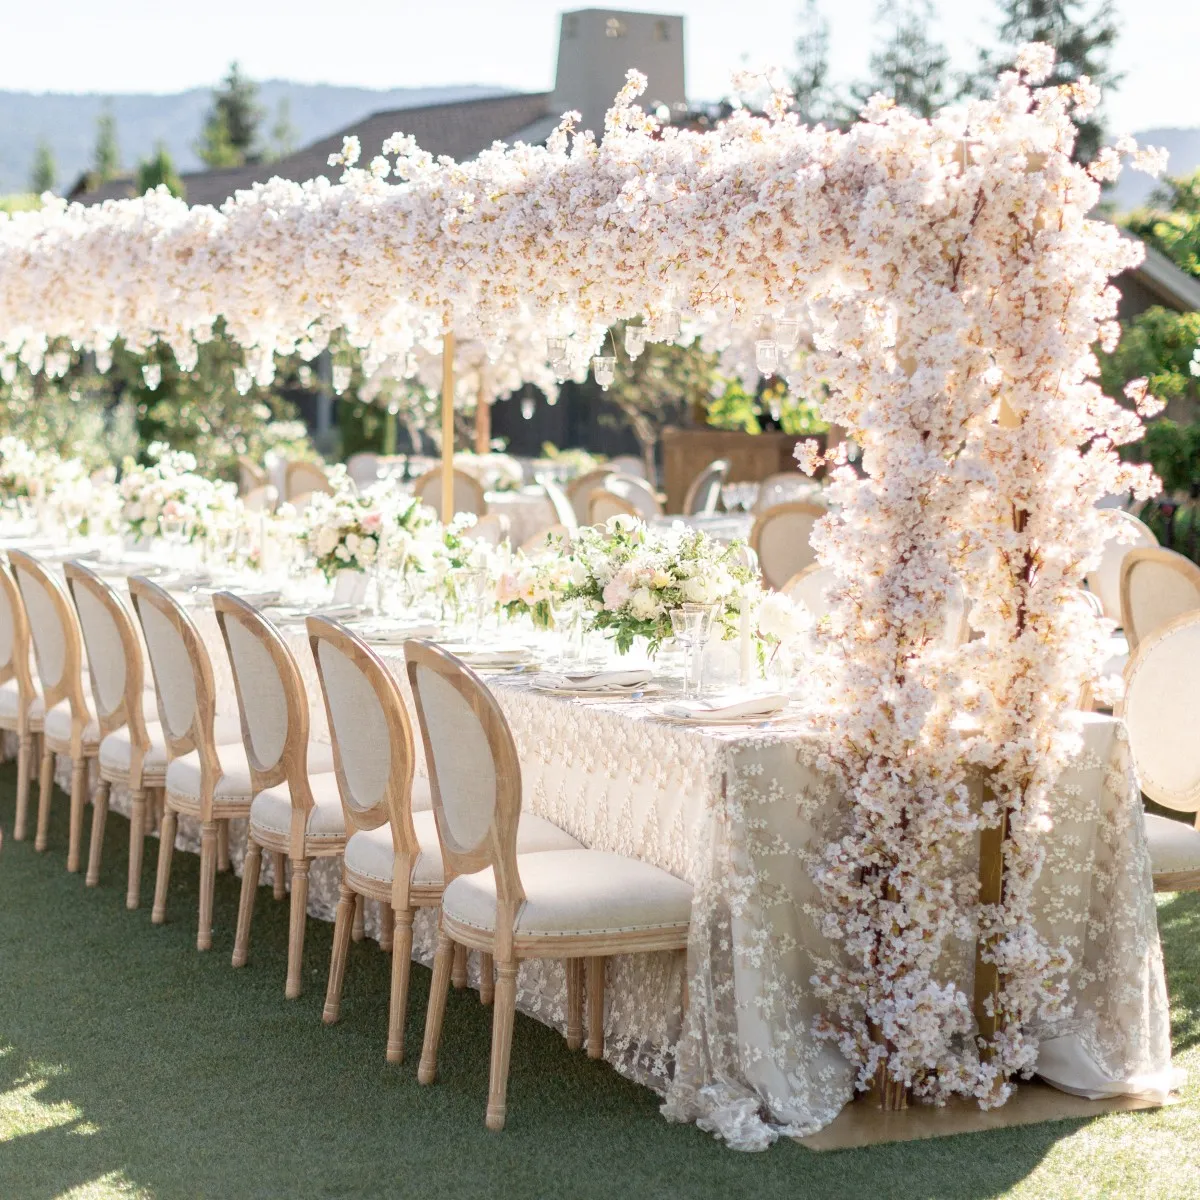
[(57, 722), (1174, 846), (183, 775), (271, 809), (369, 852), (576, 893), (10, 700), (116, 749)]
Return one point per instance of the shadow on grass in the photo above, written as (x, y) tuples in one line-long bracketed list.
[(129, 1056), (1179, 928)]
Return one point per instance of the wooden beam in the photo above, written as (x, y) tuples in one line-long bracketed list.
[(448, 428)]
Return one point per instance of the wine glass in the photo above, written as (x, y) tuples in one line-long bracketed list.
[(692, 626)]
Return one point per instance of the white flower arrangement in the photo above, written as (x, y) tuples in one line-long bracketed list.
[(346, 531), (168, 495), (24, 472)]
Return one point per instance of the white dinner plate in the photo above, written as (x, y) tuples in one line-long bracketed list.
[(640, 689)]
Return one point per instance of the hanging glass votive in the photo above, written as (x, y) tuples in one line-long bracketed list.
[(635, 340), (152, 374), (242, 379), (604, 369), (342, 373), (556, 350), (668, 326), (787, 333), (527, 407), (766, 356)]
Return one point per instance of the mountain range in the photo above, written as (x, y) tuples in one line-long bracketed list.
[(68, 121)]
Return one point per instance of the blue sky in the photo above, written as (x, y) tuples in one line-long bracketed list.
[(164, 45)]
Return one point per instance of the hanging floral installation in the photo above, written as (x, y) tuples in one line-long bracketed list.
[(946, 286)]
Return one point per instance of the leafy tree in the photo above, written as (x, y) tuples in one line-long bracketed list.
[(283, 132), (229, 137), (1170, 222), (106, 157), (159, 169), (44, 174), (810, 82), (910, 66), (1083, 40)]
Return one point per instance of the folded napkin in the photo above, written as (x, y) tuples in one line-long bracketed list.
[(394, 635), (746, 706), (258, 599), (488, 656), (594, 681)]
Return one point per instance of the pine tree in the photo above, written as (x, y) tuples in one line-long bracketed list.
[(229, 137), (1082, 41), (810, 81), (106, 158), (159, 169), (44, 174), (911, 66)]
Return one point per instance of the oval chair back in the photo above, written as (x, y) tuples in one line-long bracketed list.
[(1157, 586), (603, 504), (114, 654), (638, 492), (705, 490), (304, 478), (468, 493), (15, 645), (474, 774), (1105, 580), (272, 702), (810, 587), (57, 645), (780, 537), (373, 748), (250, 475), (363, 468), (563, 509), (492, 528), (580, 489)]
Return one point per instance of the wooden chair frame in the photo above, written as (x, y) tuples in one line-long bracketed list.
[(719, 467), (623, 507), (250, 474), (772, 514), (199, 737), (140, 782), (564, 510), (1157, 554), (465, 478), (497, 849), (399, 901), (295, 847), (634, 484), (28, 725), (69, 688), (580, 489), (303, 467)]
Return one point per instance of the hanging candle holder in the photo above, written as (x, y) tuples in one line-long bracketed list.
[(668, 326), (787, 333), (766, 356), (556, 351), (604, 369), (152, 375), (635, 340), (527, 407), (242, 379), (341, 377)]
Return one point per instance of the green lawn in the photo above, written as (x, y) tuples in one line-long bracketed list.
[(130, 1065)]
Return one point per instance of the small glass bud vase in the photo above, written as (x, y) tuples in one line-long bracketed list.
[(556, 350), (766, 356), (604, 369), (787, 333), (635, 340), (152, 375)]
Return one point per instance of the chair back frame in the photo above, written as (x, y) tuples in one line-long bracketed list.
[(563, 508), (497, 848), (17, 666), (395, 806), (718, 469), (291, 767), (316, 474), (199, 734), (69, 685), (1156, 554), (129, 709), (790, 508), (580, 489), (461, 478), (601, 497)]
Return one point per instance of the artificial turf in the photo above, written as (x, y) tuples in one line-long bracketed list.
[(131, 1065)]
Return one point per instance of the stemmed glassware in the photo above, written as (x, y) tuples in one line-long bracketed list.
[(568, 625), (692, 625)]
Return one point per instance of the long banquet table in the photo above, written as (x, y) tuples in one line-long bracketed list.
[(742, 813)]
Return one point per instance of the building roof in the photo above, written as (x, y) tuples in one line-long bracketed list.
[(460, 129)]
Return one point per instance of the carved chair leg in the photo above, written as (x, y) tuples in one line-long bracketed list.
[(45, 782), (78, 803), (296, 922), (279, 862), (208, 880), (458, 973), (438, 990), (356, 930), (387, 924), (337, 959), (137, 842), (250, 870), (595, 1007), (487, 979), (99, 814), (402, 938), (222, 846), (166, 849), (574, 1003), (502, 1030), (25, 760)]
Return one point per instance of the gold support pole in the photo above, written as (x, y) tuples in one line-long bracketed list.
[(448, 428), (483, 417)]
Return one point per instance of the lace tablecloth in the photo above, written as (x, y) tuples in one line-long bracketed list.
[(741, 814)]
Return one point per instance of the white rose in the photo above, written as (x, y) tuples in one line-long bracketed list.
[(644, 605), (326, 541), (695, 590)]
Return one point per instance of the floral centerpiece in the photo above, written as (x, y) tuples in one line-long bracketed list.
[(346, 532), (169, 493), (633, 578), (23, 470), (529, 586)]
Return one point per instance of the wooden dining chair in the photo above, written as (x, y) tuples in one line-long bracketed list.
[(580, 489), (1157, 586), (468, 493), (635, 490), (68, 726), (393, 855), (296, 812), (21, 708), (564, 510), (204, 779), (1159, 714), (704, 491), (301, 479), (250, 475), (780, 537), (603, 504), (1128, 533), (575, 904), (132, 751)]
